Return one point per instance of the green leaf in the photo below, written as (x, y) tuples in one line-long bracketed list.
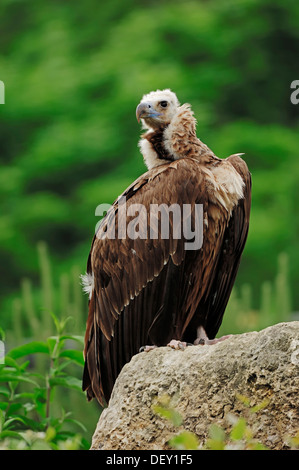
[(19, 396), (260, 406), (168, 413), (50, 434), (294, 441), (185, 440), (32, 424), (68, 381), (60, 324), (243, 399), (74, 355), (2, 418), (10, 362), (12, 434), (238, 430), (77, 338), (213, 444), (75, 421), (257, 446), (4, 391), (14, 408), (9, 377), (24, 366), (13, 420), (217, 433), (51, 342), (217, 438), (30, 348), (56, 322), (2, 334)]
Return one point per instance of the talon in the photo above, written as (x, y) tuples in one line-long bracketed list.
[(176, 344), (147, 348), (200, 341)]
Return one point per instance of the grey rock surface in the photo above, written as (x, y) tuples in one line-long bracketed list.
[(204, 384)]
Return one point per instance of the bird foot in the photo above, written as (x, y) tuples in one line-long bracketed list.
[(147, 348), (203, 339), (182, 345), (176, 344)]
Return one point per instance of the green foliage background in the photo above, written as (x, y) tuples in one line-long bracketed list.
[(74, 73)]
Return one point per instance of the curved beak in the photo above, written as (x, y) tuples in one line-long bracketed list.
[(145, 110)]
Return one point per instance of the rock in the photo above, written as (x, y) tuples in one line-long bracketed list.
[(204, 384)]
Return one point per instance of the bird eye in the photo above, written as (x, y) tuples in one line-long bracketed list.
[(164, 104)]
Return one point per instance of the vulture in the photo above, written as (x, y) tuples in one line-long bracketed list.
[(158, 283)]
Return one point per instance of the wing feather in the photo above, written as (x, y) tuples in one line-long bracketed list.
[(213, 304), (151, 290)]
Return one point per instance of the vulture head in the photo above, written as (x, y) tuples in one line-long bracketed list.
[(170, 129), (157, 109)]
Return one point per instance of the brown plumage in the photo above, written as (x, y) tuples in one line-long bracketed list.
[(150, 290)]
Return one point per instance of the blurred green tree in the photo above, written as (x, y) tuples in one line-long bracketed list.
[(74, 73)]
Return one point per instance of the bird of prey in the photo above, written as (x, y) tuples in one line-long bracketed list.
[(149, 287)]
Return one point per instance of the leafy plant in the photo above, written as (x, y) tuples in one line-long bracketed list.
[(239, 436), (163, 407), (27, 417)]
